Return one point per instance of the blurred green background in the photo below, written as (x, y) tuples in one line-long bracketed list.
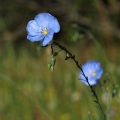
[(90, 29)]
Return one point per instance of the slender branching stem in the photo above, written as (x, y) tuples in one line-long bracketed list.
[(69, 55)]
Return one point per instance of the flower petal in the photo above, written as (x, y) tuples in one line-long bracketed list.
[(35, 38), (47, 39), (96, 65), (92, 81), (100, 72), (32, 28), (47, 20), (42, 19), (54, 25)]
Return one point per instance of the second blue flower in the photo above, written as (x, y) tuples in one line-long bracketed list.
[(92, 69)]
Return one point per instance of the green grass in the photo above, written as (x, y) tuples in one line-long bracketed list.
[(30, 91)]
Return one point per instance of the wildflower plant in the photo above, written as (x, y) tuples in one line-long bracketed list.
[(42, 28)]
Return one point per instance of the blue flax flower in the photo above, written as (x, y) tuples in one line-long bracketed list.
[(42, 28), (92, 69)]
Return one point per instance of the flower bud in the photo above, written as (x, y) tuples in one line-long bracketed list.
[(52, 68), (53, 59), (49, 65)]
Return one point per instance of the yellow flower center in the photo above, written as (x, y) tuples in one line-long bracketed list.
[(94, 74), (45, 32)]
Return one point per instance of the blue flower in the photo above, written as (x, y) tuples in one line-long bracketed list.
[(92, 69), (42, 28)]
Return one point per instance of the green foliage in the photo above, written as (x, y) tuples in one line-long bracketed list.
[(29, 90)]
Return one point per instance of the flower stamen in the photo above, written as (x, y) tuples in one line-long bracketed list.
[(44, 31), (94, 74)]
